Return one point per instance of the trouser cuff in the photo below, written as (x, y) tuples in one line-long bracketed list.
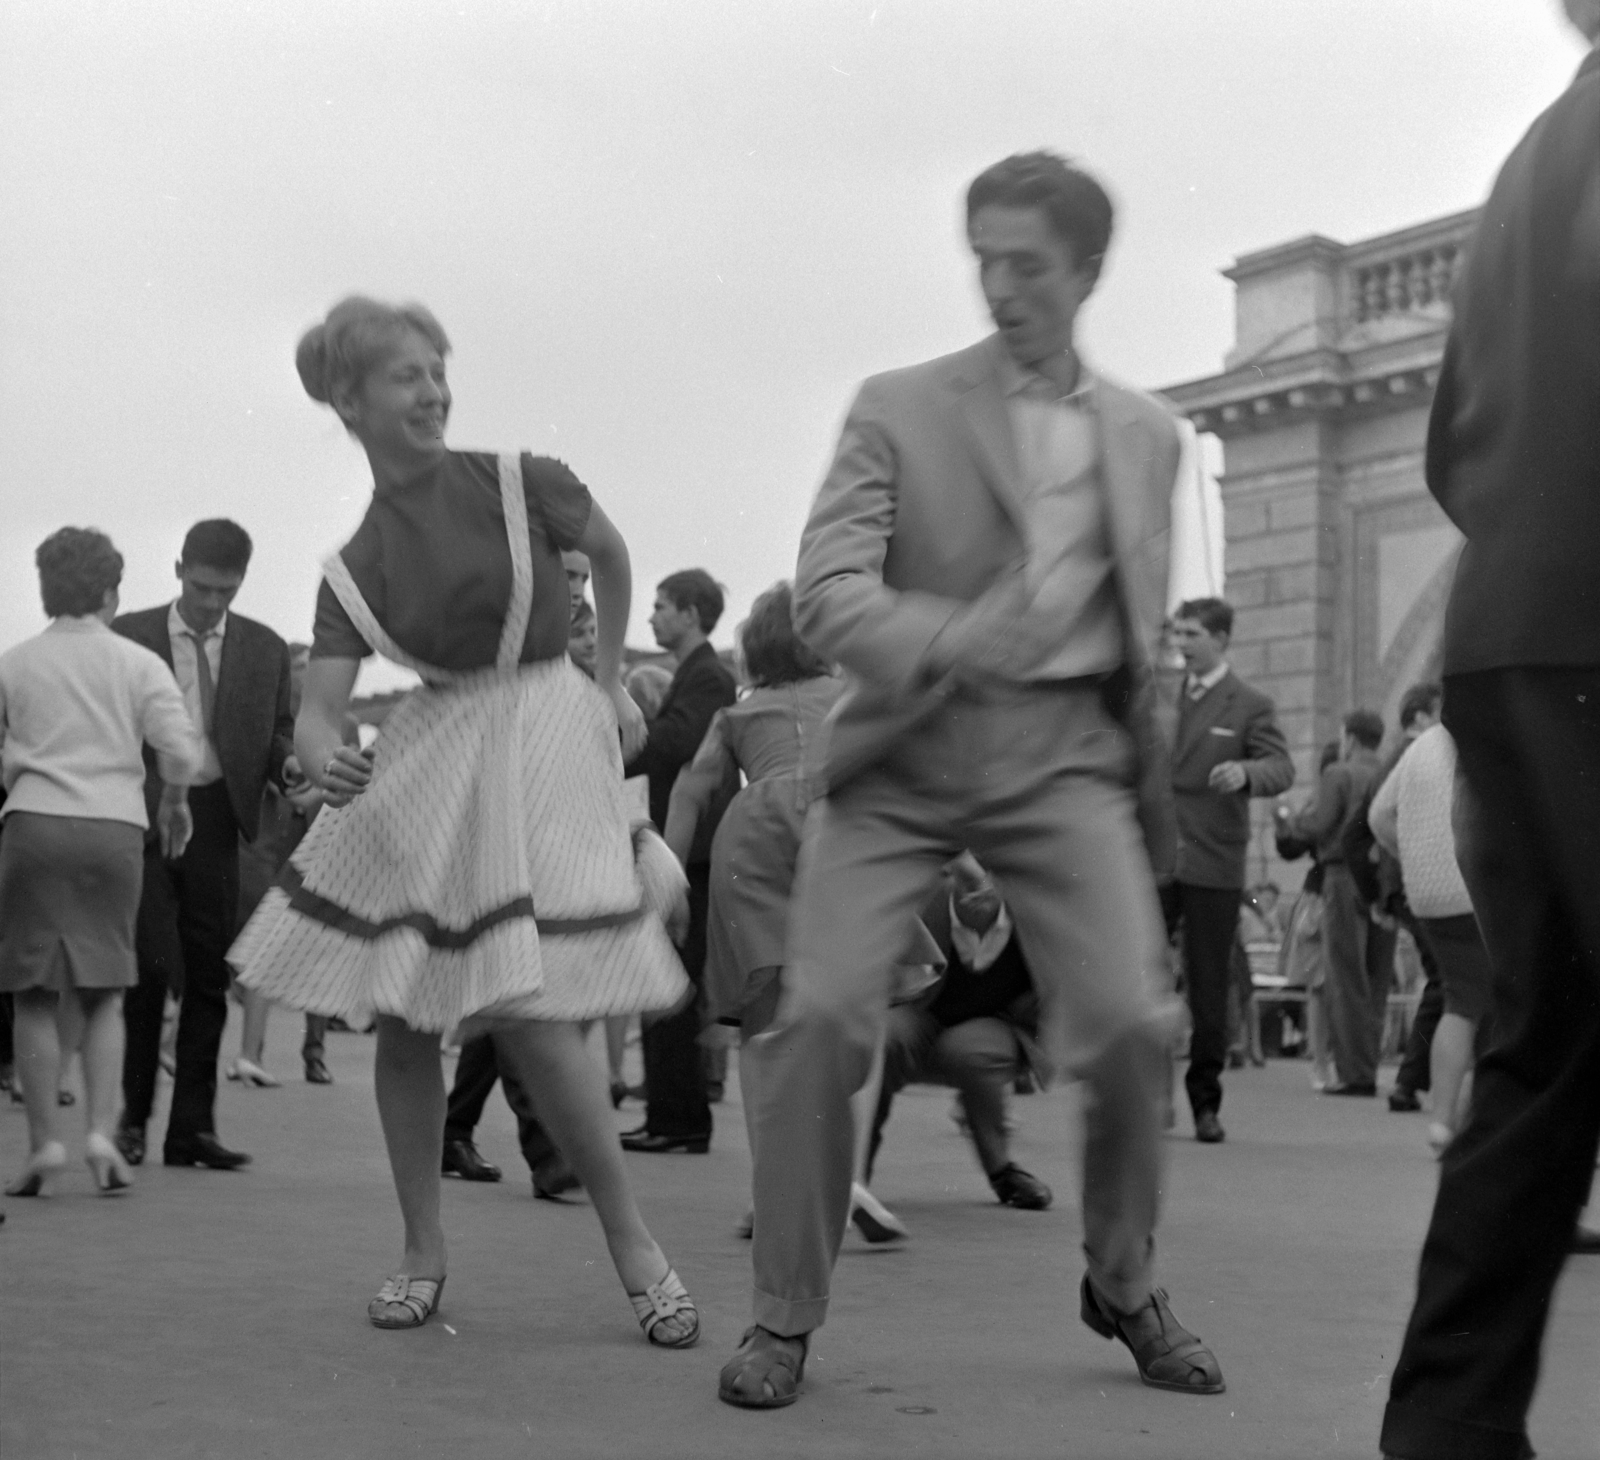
[(1412, 1433), (789, 1317)]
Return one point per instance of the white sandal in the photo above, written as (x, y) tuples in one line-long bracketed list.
[(419, 1297), (663, 1300)]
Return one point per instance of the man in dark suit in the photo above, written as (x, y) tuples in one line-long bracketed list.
[(1514, 458), (687, 607), (1229, 748), (234, 674), (976, 1028)]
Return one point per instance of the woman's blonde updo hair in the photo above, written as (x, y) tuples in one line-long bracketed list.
[(334, 357)]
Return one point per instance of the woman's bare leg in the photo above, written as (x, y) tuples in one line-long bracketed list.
[(568, 1087), (253, 1035), (102, 1059), (1449, 1060), (37, 1042), (409, 1082)]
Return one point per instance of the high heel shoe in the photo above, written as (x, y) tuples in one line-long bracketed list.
[(248, 1072), (872, 1218), (111, 1173), (44, 1165)]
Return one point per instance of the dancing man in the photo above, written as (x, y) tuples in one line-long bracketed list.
[(987, 558)]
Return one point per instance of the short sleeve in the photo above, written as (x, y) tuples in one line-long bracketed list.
[(333, 635), (556, 498)]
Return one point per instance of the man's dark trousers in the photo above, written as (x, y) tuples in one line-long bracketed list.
[(198, 898), (1209, 917), (476, 1071), (1416, 1067), (674, 1062), (1512, 1183)]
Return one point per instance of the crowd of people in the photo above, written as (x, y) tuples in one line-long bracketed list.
[(972, 791)]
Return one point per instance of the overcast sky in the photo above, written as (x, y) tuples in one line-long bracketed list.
[(666, 239)]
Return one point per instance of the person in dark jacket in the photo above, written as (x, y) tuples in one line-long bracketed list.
[(234, 674), (1229, 749), (688, 605), (1514, 458)]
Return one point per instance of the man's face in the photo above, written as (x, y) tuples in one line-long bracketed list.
[(671, 624), (1031, 282), (205, 594), (1202, 650)]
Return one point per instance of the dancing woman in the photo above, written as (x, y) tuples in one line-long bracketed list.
[(767, 735), (480, 865)]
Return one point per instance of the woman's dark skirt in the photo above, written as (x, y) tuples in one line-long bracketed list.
[(69, 894)]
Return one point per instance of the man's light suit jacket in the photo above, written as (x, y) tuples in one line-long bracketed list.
[(924, 511)]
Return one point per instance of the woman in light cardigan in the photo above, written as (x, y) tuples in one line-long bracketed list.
[(78, 703)]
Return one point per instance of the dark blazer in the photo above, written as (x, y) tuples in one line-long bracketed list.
[(924, 510), (1514, 441), (253, 729), (1230, 721), (701, 687)]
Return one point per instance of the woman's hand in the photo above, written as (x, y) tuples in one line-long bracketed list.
[(630, 719), (344, 775)]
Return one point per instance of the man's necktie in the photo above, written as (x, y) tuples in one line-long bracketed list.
[(208, 686)]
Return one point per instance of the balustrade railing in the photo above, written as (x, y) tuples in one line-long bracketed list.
[(1404, 283)]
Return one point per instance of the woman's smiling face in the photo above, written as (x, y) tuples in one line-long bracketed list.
[(402, 406)]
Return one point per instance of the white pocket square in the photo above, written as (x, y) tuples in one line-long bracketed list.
[(1222, 730)]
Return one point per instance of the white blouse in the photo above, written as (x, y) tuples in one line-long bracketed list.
[(77, 704)]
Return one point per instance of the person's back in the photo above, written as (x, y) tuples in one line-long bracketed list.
[(772, 728)]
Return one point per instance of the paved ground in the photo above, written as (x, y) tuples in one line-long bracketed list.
[(224, 1315)]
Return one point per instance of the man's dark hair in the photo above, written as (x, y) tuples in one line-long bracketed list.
[(1077, 206), (77, 566), (1420, 699), (217, 543), (697, 589), (1214, 615), (773, 652), (1365, 727)]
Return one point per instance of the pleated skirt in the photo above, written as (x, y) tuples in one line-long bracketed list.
[(487, 873)]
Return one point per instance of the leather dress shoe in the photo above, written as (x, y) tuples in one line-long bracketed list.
[(1402, 1100), (202, 1149), (129, 1140), (317, 1071), (461, 1159), (552, 1176), (644, 1140), (1021, 1189), (1368, 1089), (1167, 1354), (1208, 1129)]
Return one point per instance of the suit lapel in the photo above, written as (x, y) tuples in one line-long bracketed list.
[(990, 437), (1197, 718)]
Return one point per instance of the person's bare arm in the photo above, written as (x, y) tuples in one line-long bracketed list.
[(611, 575), (340, 771)]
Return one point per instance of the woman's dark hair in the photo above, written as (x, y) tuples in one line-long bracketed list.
[(334, 357), (773, 652), (1078, 208), (77, 565)]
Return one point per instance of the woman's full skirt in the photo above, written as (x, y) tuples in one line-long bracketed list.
[(487, 872)]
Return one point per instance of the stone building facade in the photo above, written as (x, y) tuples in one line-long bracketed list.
[(1338, 560)]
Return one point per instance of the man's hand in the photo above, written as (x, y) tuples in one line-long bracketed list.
[(174, 824), (1228, 777)]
